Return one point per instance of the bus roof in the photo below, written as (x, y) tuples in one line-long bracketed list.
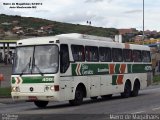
[(79, 39)]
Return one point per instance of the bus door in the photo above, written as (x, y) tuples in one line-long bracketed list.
[(65, 76)]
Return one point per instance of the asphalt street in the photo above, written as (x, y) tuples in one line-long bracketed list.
[(148, 102)]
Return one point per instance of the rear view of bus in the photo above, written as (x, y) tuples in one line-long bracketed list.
[(34, 71)]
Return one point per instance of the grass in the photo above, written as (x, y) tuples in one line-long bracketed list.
[(5, 92), (156, 79)]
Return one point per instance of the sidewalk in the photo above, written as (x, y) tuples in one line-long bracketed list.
[(4, 100)]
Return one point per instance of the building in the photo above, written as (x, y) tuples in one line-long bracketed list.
[(6, 47)]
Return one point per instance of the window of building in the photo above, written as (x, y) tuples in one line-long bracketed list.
[(104, 54), (78, 52), (117, 55), (91, 53)]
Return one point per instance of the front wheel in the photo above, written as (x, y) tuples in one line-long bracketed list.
[(41, 104), (78, 97)]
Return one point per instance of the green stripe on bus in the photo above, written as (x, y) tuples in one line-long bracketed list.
[(34, 79), (114, 80), (117, 67), (13, 80), (103, 69)]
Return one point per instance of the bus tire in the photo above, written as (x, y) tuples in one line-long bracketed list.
[(127, 90), (41, 104), (136, 89), (78, 97)]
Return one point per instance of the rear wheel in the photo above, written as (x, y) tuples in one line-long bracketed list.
[(127, 90), (78, 97), (136, 89), (41, 104)]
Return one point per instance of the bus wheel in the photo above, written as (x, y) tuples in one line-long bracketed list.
[(127, 90), (94, 98), (106, 96), (136, 88), (41, 104), (78, 97)]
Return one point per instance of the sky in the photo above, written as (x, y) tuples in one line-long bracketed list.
[(102, 13)]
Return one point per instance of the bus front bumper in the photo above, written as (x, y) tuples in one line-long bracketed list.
[(32, 97)]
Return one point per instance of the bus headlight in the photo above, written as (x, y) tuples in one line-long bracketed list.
[(49, 87), (15, 89), (46, 88), (52, 87)]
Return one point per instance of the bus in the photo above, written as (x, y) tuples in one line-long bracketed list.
[(71, 67)]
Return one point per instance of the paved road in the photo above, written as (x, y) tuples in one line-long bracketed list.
[(148, 102)]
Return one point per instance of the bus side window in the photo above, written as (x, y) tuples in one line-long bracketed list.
[(91, 53), (64, 58), (146, 56), (78, 53), (137, 56), (127, 53), (104, 54), (117, 55)]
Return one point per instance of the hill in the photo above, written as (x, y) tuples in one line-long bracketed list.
[(29, 26)]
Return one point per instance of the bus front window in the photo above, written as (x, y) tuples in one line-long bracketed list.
[(36, 60), (22, 60), (45, 59)]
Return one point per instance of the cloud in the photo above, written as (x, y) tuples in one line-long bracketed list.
[(102, 13), (90, 1), (94, 1), (133, 11)]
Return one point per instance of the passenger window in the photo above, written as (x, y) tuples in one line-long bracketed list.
[(127, 53), (91, 53), (64, 58), (78, 52), (137, 56), (104, 54), (146, 56), (117, 55)]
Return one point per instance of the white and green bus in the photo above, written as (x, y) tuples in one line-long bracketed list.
[(76, 66)]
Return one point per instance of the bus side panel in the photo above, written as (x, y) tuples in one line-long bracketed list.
[(106, 84), (66, 88)]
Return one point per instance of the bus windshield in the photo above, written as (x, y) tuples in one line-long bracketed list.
[(36, 59)]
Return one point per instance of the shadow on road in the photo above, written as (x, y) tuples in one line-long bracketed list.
[(88, 101)]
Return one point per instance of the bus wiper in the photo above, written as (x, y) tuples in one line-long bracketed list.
[(34, 65), (28, 65), (38, 69)]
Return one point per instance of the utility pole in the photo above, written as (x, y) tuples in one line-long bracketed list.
[(143, 24)]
